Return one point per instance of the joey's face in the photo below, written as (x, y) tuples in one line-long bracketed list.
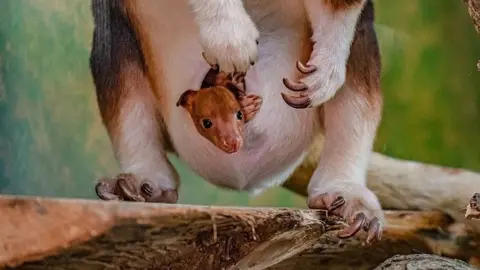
[(218, 118)]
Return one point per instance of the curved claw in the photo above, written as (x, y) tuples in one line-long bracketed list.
[(105, 190), (128, 192), (339, 202), (306, 69), (297, 102), (147, 189), (157, 195), (374, 231), (297, 87), (356, 225)]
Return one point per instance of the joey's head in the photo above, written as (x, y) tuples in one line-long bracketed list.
[(217, 115)]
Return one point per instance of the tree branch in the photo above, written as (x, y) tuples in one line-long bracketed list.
[(41, 233), (474, 11)]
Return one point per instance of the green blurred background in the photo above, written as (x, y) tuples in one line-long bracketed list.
[(52, 142)]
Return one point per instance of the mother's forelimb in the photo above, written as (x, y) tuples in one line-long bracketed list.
[(333, 25), (228, 35)]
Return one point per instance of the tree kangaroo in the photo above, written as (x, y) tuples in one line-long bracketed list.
[(146, 53)]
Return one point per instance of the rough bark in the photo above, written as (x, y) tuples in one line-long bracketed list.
[(408, 232), (96, 234), (422, 261), (473, 208), (42, 233)]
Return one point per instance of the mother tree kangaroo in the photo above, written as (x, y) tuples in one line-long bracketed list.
[(315, 63)]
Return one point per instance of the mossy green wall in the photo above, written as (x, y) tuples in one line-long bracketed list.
[(52, 142)]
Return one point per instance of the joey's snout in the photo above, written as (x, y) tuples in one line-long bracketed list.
[(230, 144)]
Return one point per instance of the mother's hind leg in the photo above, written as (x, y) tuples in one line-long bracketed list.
[(351, 120), (128, 110)]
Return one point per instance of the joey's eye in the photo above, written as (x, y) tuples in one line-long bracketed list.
[(207, 123), (239, 115)]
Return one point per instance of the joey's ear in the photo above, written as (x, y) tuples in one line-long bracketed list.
[(186, 98)]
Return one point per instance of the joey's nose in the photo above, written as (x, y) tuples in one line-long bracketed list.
[(232, 144)]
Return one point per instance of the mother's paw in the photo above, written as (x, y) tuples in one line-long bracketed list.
[(229, 41), (319, 84), (127, 187), (357, 205)]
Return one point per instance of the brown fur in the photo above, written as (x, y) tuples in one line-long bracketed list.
[(108, 55), (342, 4), (118, 66), (364, 63), (152, 71)]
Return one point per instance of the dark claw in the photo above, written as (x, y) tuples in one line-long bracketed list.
[(374, 232), (252, 63), (104, 191), (306, 69), (297, 87), (128, 191), (147, 189), (356, 225), (256, 41), (339, 202), (297, 102), (379, 234)]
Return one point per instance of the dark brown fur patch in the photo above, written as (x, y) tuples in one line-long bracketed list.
[(114, 46), (117, 65), (364, 63), (342, 4)]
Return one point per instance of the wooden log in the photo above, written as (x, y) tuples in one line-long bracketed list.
[(49, 233), (138, 236), (474, 11)]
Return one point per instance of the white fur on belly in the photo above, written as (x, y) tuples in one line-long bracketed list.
[(275, 140)]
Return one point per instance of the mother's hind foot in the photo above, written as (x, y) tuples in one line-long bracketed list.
[(128, 187)]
